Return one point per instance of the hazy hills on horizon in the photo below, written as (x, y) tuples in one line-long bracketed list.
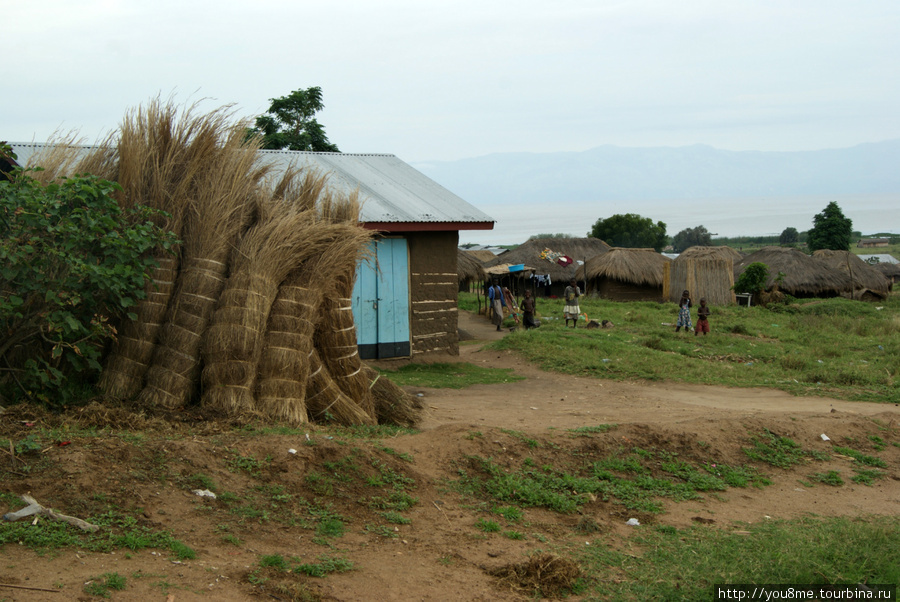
[(614, 173)]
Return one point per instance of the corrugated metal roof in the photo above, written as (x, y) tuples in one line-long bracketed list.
[(390, 190)]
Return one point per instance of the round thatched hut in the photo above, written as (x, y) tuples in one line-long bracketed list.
[(865, 282), (704, 271), (891, 271), (625, 274), (470, 271), (803, 275), (551, 276)]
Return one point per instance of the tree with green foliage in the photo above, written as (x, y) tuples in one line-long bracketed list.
[(691, 237), (831, 230), (72, 262), (753, 279), (290, 123), (789, 236), (630, 230)]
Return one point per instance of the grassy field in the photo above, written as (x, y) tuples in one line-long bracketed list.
[(839, 348)]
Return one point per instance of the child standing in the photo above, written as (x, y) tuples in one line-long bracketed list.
[(528, 309), (702, 318), (571, 310), (684, 312)]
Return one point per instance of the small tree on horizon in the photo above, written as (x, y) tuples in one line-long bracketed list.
[(631, 231), (831, 230), (691, 237), (789, 236)]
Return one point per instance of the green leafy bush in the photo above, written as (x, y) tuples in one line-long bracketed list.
[(753, 279), (72, 263)]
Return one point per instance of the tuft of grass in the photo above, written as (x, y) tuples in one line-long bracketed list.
[(832, 477), (449, 376), (101, 586), (488, 526), (860, 458), (776, 450), (585, 431)]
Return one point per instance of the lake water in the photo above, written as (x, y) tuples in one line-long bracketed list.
[(745, 216)]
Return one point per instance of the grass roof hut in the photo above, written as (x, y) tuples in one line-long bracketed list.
[(625, 274), (804, 276), (704, 271), (866, 283), (469, 271), (891, 271), (532, 253)]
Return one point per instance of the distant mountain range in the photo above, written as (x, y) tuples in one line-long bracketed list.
[(613, 173)]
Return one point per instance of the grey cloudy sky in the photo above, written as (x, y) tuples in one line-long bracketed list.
[(444, 80)]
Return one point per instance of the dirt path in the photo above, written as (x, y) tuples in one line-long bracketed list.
[(440, 554)]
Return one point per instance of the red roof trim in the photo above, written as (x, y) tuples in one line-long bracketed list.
[(426, 226)]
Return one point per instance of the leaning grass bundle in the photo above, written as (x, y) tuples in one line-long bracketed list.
[(393, 405), (326, 403), (220, 206), (284, 367), (286, 234), (155, 170)]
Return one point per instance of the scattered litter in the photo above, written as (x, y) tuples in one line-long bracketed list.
[(881, 347), (880, 308), (666, 323), (800, 490), (749, 364), (633, 522), (606, 359), (825, 437), (205, 493), (420, 395), (307, 436), (533, 408), (767, 517), (292, 451), (820, 361)]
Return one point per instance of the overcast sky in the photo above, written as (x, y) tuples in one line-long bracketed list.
[(450, 80)]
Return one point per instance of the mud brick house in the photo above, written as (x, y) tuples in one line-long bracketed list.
[(404, 300)]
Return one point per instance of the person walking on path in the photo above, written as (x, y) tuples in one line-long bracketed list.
[(495, 294), (684, 312), (702, 318), (571, 310)]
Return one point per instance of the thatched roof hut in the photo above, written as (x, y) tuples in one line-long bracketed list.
[(803, 275), (482, 255), (625, 274), (890, 270), (865, 281), (469, 270), (704, 271), (530, 253)]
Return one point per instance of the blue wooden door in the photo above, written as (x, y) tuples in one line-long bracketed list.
[(381, 301)]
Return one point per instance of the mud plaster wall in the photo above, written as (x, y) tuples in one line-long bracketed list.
[(608, 288), (433, 286)]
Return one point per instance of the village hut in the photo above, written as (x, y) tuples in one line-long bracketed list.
[(891, 271), (470, 271), (554, 260), (412, 265), (482, 255), (706, 272), (802, 277), (625, 274), (865, 282)]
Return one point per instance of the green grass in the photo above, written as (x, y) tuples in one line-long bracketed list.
[(449, 376), (778, 451), (684, 564), (101, 586), (835, 347)]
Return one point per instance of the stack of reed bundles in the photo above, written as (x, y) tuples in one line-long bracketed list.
[(155, 169), (706, 272), (393, 405), (326, 402), (219, 208), (287, 232)]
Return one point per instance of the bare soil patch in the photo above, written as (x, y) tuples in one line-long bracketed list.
[(440, 554)]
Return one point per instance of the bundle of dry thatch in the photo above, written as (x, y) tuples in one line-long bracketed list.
[(251, 314)]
